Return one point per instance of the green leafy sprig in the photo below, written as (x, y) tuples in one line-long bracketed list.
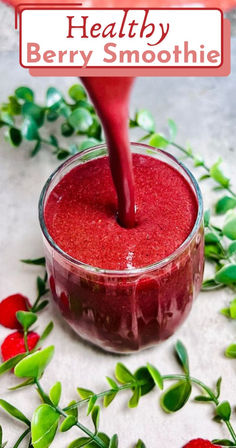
[(145, 121), (24, 119), (50, 417), (27, 319)]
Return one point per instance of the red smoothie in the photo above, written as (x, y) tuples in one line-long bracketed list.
[(80, 214), (123, 289)]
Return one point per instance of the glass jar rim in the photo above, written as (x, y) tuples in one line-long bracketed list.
[(129, 271)]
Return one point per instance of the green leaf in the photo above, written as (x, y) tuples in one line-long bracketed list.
[(63, 154), (140, 444), (204, 177), (232, 309), (14, 107), (11, 363), (227, 274), (229, 228), (176, 396), (211, 238), (41, 306), (66, 129), (111, 383), (52, 115), (95, 417), (108, 399), (202, 398), (224, 411), (156, 376), (14, 412), (41, 286), (24, 93), (46, 333), (84, 393), (54, 97), (143, 376), (31, 110), (182, 356), (231, 351), (218, 387), (7, 118), (34, 365), (158, 141), (26, 319), (223, 442), (44, 426), (114, 441), (95, 130), (68, 423), (73, 411), (210, 284), (134, 400), (25, 383), (14, 136), (0, 436), (198, 161), (80, 119), (207, 216), (77, 92), (224, 204), (88, 143), (91, 403), (214, 251), (123, 375), (145, 120), (35, 261), (55, 393), (54, 141), (172, 129), (78, 443), (36, 149), (29, 129), (217, 174), (232, 249)]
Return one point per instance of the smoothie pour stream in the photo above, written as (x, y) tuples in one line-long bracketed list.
[(111, 99)]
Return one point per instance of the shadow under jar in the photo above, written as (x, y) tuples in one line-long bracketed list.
[(125, 310)]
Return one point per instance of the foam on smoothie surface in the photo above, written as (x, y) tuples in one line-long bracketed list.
[(80, 214)]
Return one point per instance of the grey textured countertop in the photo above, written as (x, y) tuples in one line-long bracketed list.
[(204, 109)]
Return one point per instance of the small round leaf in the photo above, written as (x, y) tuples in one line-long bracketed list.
[(44, 426), (34, 365)]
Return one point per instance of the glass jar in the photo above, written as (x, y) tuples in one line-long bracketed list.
[(128, 310)]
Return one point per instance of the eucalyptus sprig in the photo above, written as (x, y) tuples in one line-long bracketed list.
[(50, 417)]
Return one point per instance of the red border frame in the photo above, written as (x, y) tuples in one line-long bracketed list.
[(50, 6)]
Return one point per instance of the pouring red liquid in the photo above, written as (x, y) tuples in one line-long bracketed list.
[(111, 99)]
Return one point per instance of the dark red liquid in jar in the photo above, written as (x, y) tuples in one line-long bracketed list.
[(123, 311)]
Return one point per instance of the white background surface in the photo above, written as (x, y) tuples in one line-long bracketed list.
[(205, 112)]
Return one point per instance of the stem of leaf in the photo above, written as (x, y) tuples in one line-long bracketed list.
[(21, 438), (208, 391), (62, 412), (203, 165), (26, 341), (127, 386)]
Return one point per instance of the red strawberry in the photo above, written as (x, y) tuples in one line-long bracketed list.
[(200, 443), (9, 307), (14, 344)]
